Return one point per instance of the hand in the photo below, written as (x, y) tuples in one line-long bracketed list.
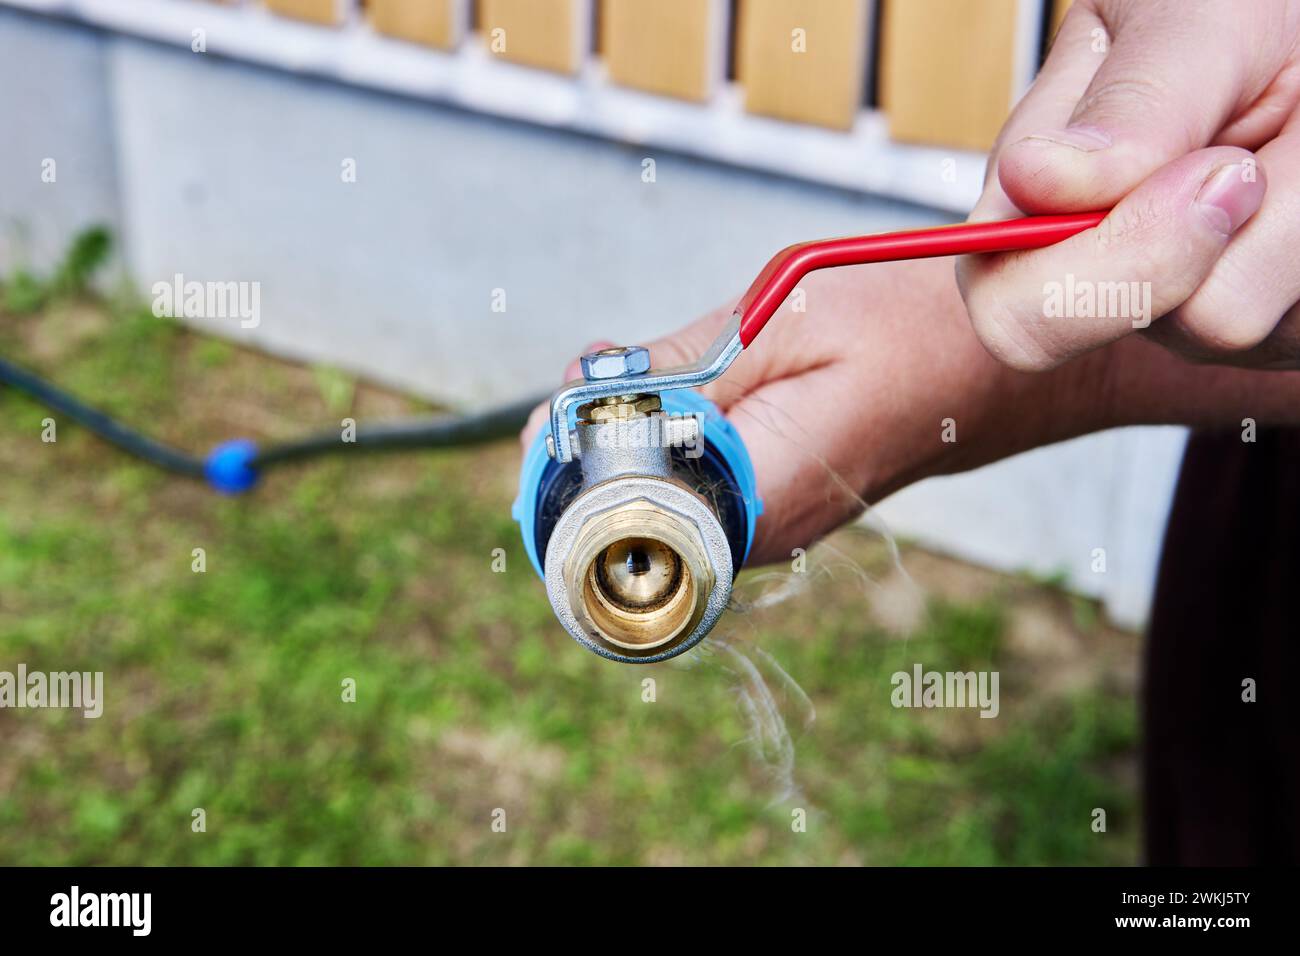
[(1170, 111), (859, 386)]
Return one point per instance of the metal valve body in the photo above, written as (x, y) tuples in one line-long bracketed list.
[(640, 535)]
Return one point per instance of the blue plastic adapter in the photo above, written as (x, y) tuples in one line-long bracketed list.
[(537, 477)]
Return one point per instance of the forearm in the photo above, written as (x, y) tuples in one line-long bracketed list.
[(884, 383), (999, 412), (1150, 386)]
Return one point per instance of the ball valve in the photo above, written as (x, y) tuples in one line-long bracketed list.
[(637, 501)]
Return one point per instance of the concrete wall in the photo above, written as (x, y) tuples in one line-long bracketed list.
[(1049, 510), (232, 172), (54, 104), (221, 171)]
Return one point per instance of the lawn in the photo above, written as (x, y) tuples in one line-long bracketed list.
[(225, 688)]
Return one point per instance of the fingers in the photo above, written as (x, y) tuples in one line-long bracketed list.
[(1051, 99), (1256, 281), (794, 342), (1174, 75), (536, 421), (1267, 115), (574, 369), (688, 344), (680, 348), (542, 413), (1036, 310)]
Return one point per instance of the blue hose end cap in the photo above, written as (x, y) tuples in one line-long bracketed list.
[(229, 467)]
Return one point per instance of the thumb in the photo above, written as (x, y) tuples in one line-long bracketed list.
[(1038, 309)]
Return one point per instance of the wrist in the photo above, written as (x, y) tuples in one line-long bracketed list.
[(1153, 386), (995, 410)]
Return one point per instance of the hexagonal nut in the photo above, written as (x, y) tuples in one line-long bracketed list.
[(615, 363), (627, 406), (568, 559)]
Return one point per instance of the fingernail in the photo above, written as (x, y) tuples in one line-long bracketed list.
[(1084, 138), (1229, 196)]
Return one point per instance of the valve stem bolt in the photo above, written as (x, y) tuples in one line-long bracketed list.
[(615, 363)]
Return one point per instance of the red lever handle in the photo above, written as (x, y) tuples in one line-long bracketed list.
[(787, 267)]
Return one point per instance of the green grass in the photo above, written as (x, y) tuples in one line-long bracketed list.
[(224, 688)]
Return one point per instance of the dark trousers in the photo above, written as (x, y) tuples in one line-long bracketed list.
[(1222, 776)]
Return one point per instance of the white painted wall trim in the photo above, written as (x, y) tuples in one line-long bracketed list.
[(863, 160)]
